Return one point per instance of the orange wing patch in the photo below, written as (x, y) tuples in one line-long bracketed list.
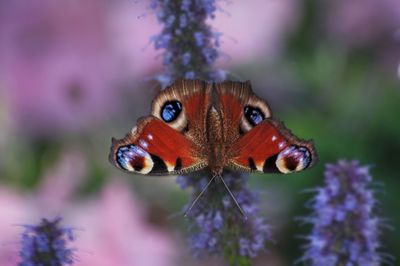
[(269, 147), (155, 148)]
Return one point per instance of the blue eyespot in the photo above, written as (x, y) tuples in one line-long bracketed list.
[(293, 159), (253, 115), (170, 111)]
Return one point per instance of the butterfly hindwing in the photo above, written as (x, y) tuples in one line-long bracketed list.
[(270, 148)]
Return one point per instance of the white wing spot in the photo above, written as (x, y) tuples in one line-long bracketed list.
[(281, 144), (143, 144)]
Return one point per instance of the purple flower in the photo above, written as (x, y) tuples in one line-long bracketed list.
[(185, 5), (345, 229), (170, 20), (46, 244), (162, 41), (199, 38), (186, 58), (184, 25), (217, 225), (190, 75), (183, 21)]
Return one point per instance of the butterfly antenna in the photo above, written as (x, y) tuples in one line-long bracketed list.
[(198, 196), (233, 197)]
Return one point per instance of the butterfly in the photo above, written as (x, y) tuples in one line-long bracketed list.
[(195, 125)]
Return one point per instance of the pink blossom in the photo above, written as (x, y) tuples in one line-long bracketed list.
[(60, 180), (111, 228), (363, 22), (256, 29), (367, 24), (64, 63), (66, 92), (131, 26), (114, 232), (57, 65)]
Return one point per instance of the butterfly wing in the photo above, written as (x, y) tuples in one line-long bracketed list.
[(271, 148), (234, 98), (259, 143), (154, 148), (169, 140)]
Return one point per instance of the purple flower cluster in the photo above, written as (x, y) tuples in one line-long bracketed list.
[(190, 45), (216, 224), (46, 244), (345, 230), (218, 227)]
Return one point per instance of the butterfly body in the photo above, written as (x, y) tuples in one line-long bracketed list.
[(218, 143), (195, 125)]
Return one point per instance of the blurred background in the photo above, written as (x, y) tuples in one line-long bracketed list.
[(74, 73)]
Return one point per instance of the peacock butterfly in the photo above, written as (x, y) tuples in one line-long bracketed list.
[(194, 125)]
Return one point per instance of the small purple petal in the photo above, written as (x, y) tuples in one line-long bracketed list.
[(190, 75), (186, 58), (199, 37), (218, 220), (183, 21)]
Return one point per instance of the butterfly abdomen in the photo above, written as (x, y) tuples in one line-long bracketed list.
[(217, 153)]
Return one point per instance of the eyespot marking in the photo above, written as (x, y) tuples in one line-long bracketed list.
[(134, 159), (291, 163), (170, 111), (293, 159), (253, 115)]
